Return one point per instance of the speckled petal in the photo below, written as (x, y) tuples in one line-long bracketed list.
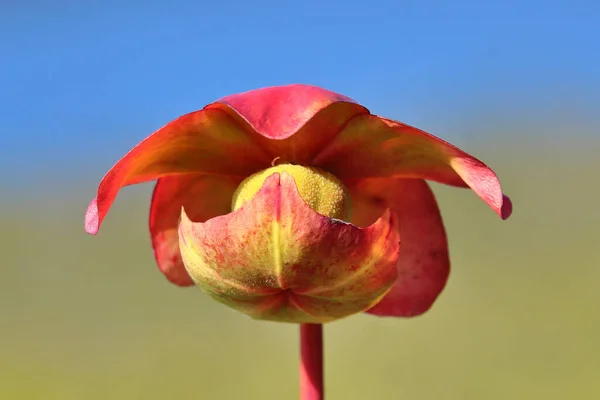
[(277, 259)]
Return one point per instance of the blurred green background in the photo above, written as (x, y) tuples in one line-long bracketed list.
[(92, 318), (515, 83)]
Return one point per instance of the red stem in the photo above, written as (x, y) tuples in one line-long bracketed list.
[(311, 364)]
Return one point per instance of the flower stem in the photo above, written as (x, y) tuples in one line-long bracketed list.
[(311, 362)]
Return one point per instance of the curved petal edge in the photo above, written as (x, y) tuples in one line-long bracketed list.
[(205, 141), (370, 146), (277, 112), (291, 122)]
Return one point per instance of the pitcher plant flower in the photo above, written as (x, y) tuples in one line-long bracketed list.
[(296, 204)]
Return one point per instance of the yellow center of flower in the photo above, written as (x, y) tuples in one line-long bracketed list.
[(322, 191)]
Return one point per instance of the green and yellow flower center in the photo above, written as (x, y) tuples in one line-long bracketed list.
[(322, 191)]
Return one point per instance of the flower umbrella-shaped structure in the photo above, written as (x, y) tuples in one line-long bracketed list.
[(296, 204)]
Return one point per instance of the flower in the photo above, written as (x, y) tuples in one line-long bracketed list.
[(296, 204)]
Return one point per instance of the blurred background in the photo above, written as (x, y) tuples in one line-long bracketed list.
[(515, 83)]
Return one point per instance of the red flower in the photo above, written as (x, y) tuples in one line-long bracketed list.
[(344, 223)]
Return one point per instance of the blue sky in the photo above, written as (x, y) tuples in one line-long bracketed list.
[(82, 81)]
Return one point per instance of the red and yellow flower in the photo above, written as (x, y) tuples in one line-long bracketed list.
[(296, 204)]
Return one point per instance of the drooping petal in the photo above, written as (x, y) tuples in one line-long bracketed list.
[(202, 196), (207, 141), (423, 263), (292, 122), (370, 146), (277, 259)]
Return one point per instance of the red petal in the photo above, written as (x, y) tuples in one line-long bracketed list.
[(277, 259), (207, 141), (423, 263), (293, 122), (280, 111), (202, 196), (371, 146)]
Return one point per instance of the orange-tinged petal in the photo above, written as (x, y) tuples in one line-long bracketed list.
[(292, 122), (207, 141), (277, 259), (203, 197), (423, 262), (370, 146)]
